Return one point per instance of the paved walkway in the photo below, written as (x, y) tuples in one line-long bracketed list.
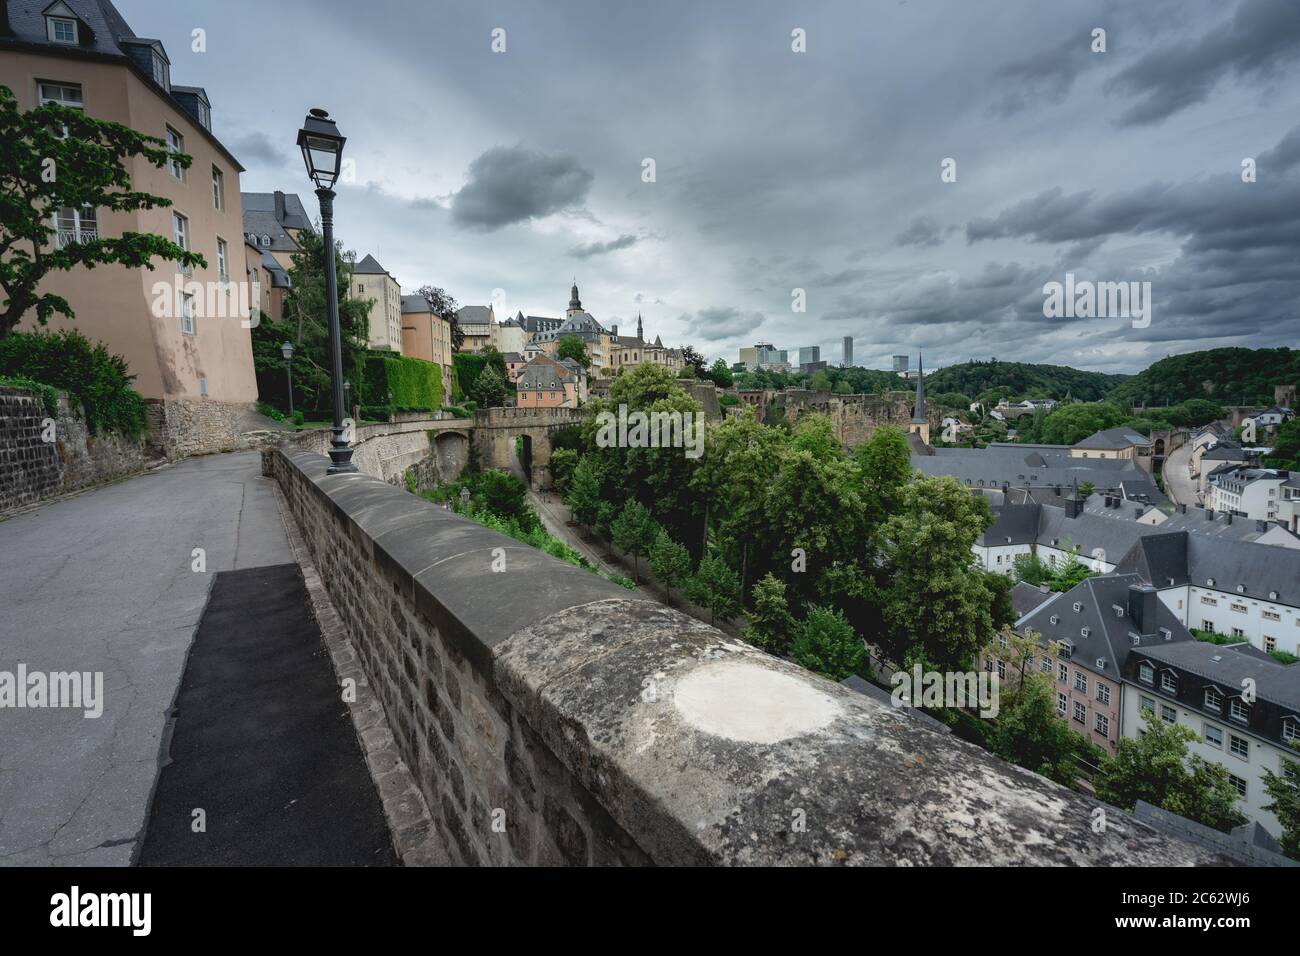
[(102, 582), (1179, 485)]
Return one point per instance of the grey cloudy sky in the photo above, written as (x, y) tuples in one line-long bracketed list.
[(820, 170)]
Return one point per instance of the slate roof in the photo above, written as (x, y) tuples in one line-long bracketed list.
[(1114, 439), (1027, 597), (260, 220), (880, 695), (1226, 451), (543, 373), (1106, 645), (279, 277), (581, 324), (1035, 466), (538, 323), (1012, 524), (104, 35), (1249, 843), (474, 315), (1187, 557), (369, 266), (415, 303), (1228, 666)]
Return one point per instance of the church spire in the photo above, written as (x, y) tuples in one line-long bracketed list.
[(918, 413), (639, 334), (575, 304)]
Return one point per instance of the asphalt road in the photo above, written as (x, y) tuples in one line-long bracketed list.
[(1178, 485), (103, 583)]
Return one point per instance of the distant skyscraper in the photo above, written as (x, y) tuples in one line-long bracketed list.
[(901, 364), (811, 353), (848, 351)]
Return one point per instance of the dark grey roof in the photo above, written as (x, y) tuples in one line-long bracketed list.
[(1263, 569), (279, 277), (581, 324), (1226, 451), (882, 696), (474, 314), (1012, 524), (538, 323), (1088, 532), (1035, 466), (544, 373), (104, 35), (1230, 665), (369, 266), (1113, 439), (1027, 597), (415, 303), (1108, 640), (295, 214), (1249, 843)]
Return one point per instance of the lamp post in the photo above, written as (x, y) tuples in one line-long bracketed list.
[(287, 351), (322, 151)]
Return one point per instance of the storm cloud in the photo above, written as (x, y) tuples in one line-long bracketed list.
[(510, 184)]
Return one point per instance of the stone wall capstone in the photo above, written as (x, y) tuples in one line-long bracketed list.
[(550, 717)]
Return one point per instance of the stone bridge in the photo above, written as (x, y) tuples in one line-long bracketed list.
[(436, 450)]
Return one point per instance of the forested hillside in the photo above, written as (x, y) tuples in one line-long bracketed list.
[(1019, 380), (1229, 376)]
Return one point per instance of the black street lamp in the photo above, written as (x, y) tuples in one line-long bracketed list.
[(322, 151), (287, 351)]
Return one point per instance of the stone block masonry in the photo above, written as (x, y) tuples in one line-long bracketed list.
[(33, 469), (549, 718)]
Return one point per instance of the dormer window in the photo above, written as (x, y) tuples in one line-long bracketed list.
[(1168, 682), (161, 71), (1213, 699), (1146, 673), (62, 30)]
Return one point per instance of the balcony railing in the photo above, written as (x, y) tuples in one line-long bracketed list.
[(66, 237)]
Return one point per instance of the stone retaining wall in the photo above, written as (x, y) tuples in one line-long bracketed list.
[(550, 718), (32, 468)]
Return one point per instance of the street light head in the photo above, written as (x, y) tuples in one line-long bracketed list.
[(287, 350), (322, 148)]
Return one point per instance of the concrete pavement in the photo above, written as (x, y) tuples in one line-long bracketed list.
[(1179, 486), (103, 582)]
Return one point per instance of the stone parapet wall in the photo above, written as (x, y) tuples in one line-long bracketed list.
[(183, 427), (32, 468), (550, 717)]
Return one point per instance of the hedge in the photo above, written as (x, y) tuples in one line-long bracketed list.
[(67, 360), (400, 381)]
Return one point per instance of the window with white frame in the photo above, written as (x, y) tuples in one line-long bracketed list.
[(1103, 693), (1046, 666), (181, 236), (218, 189), (1270, 643), (1146, 673), (75, 225), (1290, 769), (1147, 704), (1168, 715), (64, 94), (1061, 702), (175, 144), (1238, 784), (1291, 729), (1213, 699), (1062, 673), (1239, 709), (1213, 736), (61, 30), (1239, 746), (161, 72), (1002, 670), (1168, 682), (223, 261), (187, 314), (1101, 724), (1080, 712), (1081, 681)]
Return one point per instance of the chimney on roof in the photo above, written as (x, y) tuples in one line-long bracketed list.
[(279, 207), (1182, 508), (1209, 514), (1142, 602), (1261, 525), (613, 330), (1137, 511), (1072, 506)]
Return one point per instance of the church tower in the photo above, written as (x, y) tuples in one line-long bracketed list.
[(920, 421), (639, 334), (575, 304)]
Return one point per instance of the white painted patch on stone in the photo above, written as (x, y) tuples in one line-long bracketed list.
[(742, 700)]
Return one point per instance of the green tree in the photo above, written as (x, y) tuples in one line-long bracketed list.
[(1286, 448), (820, 381), (885, 461), (937, 605), (563, 462), (825, 642), (489, 388), (1029, 732), (635, 531), (721, 374), (1155, 767), (583, 493), (1285, 792), (670, 563), (445, 306), (56, 158), (716, 587), (771, 624), (1085, 490), (571, 347)]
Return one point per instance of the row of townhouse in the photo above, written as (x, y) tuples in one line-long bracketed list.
[(184, 332), (1269, 494), (1118, 654)]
